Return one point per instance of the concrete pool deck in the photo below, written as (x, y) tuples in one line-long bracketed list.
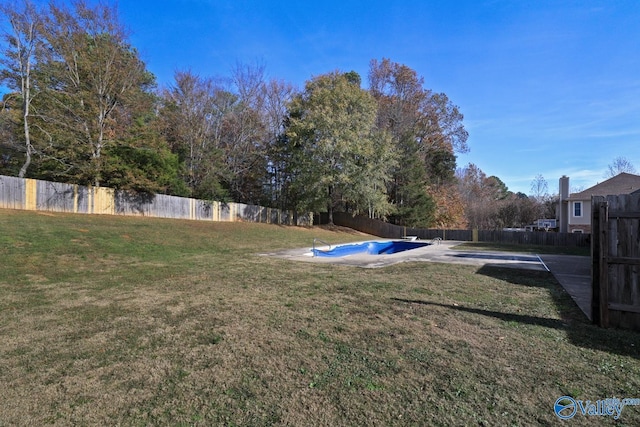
[(574, 274), (438, 252)]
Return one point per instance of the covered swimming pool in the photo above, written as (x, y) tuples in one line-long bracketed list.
[(369, 248)]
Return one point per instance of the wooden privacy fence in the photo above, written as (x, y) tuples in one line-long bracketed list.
[(33, 194), (535, 238), (615, 225), (383, 229)]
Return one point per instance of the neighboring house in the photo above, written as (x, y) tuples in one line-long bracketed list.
[(575, 209), (542, 224)]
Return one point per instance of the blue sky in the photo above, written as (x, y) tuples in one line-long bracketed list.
[(546, 87)]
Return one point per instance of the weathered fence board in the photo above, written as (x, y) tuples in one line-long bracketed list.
[(616, 261), (12, 192), (31, 194), (54, 196)]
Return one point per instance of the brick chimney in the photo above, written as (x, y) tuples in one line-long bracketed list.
[(563, 204)]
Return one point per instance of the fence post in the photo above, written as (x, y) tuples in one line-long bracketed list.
[(75, 198), (31, 194), (595, 260), (474, 235), (602, 285)]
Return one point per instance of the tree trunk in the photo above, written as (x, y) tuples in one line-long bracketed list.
[(27, 137), (27, 162), (330, 205), (26, 94)]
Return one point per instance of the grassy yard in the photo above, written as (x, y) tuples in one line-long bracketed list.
[(107, 320)]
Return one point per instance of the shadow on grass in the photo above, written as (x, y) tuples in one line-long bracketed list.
[(573, 322), (507, 317), (516, 276)]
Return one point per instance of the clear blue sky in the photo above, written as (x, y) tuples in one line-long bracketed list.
[(547, 87)]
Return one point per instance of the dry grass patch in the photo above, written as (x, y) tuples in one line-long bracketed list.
[(181, 323)]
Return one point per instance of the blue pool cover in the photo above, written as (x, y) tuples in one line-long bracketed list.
[(370, 248)]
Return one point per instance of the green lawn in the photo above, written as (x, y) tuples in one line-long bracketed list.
[(132, 321)]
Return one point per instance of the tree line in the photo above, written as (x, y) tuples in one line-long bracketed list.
[(83, 108)]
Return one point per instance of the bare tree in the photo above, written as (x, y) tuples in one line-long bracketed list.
[(619, 165), (482, 197), (225, 132), (539, 188), (245, 138), (193, 114), (540, 194), (23, 48), (249, 81), (277, 95)]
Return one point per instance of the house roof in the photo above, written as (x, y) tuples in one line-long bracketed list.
[(624, 183)]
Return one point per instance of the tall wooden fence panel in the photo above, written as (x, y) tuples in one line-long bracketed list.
[(12, 192), (32, 194), (615, 252), (391, 231), (535, 238), (53, 196)]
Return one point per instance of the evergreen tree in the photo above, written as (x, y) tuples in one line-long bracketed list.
[(414, 207)]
